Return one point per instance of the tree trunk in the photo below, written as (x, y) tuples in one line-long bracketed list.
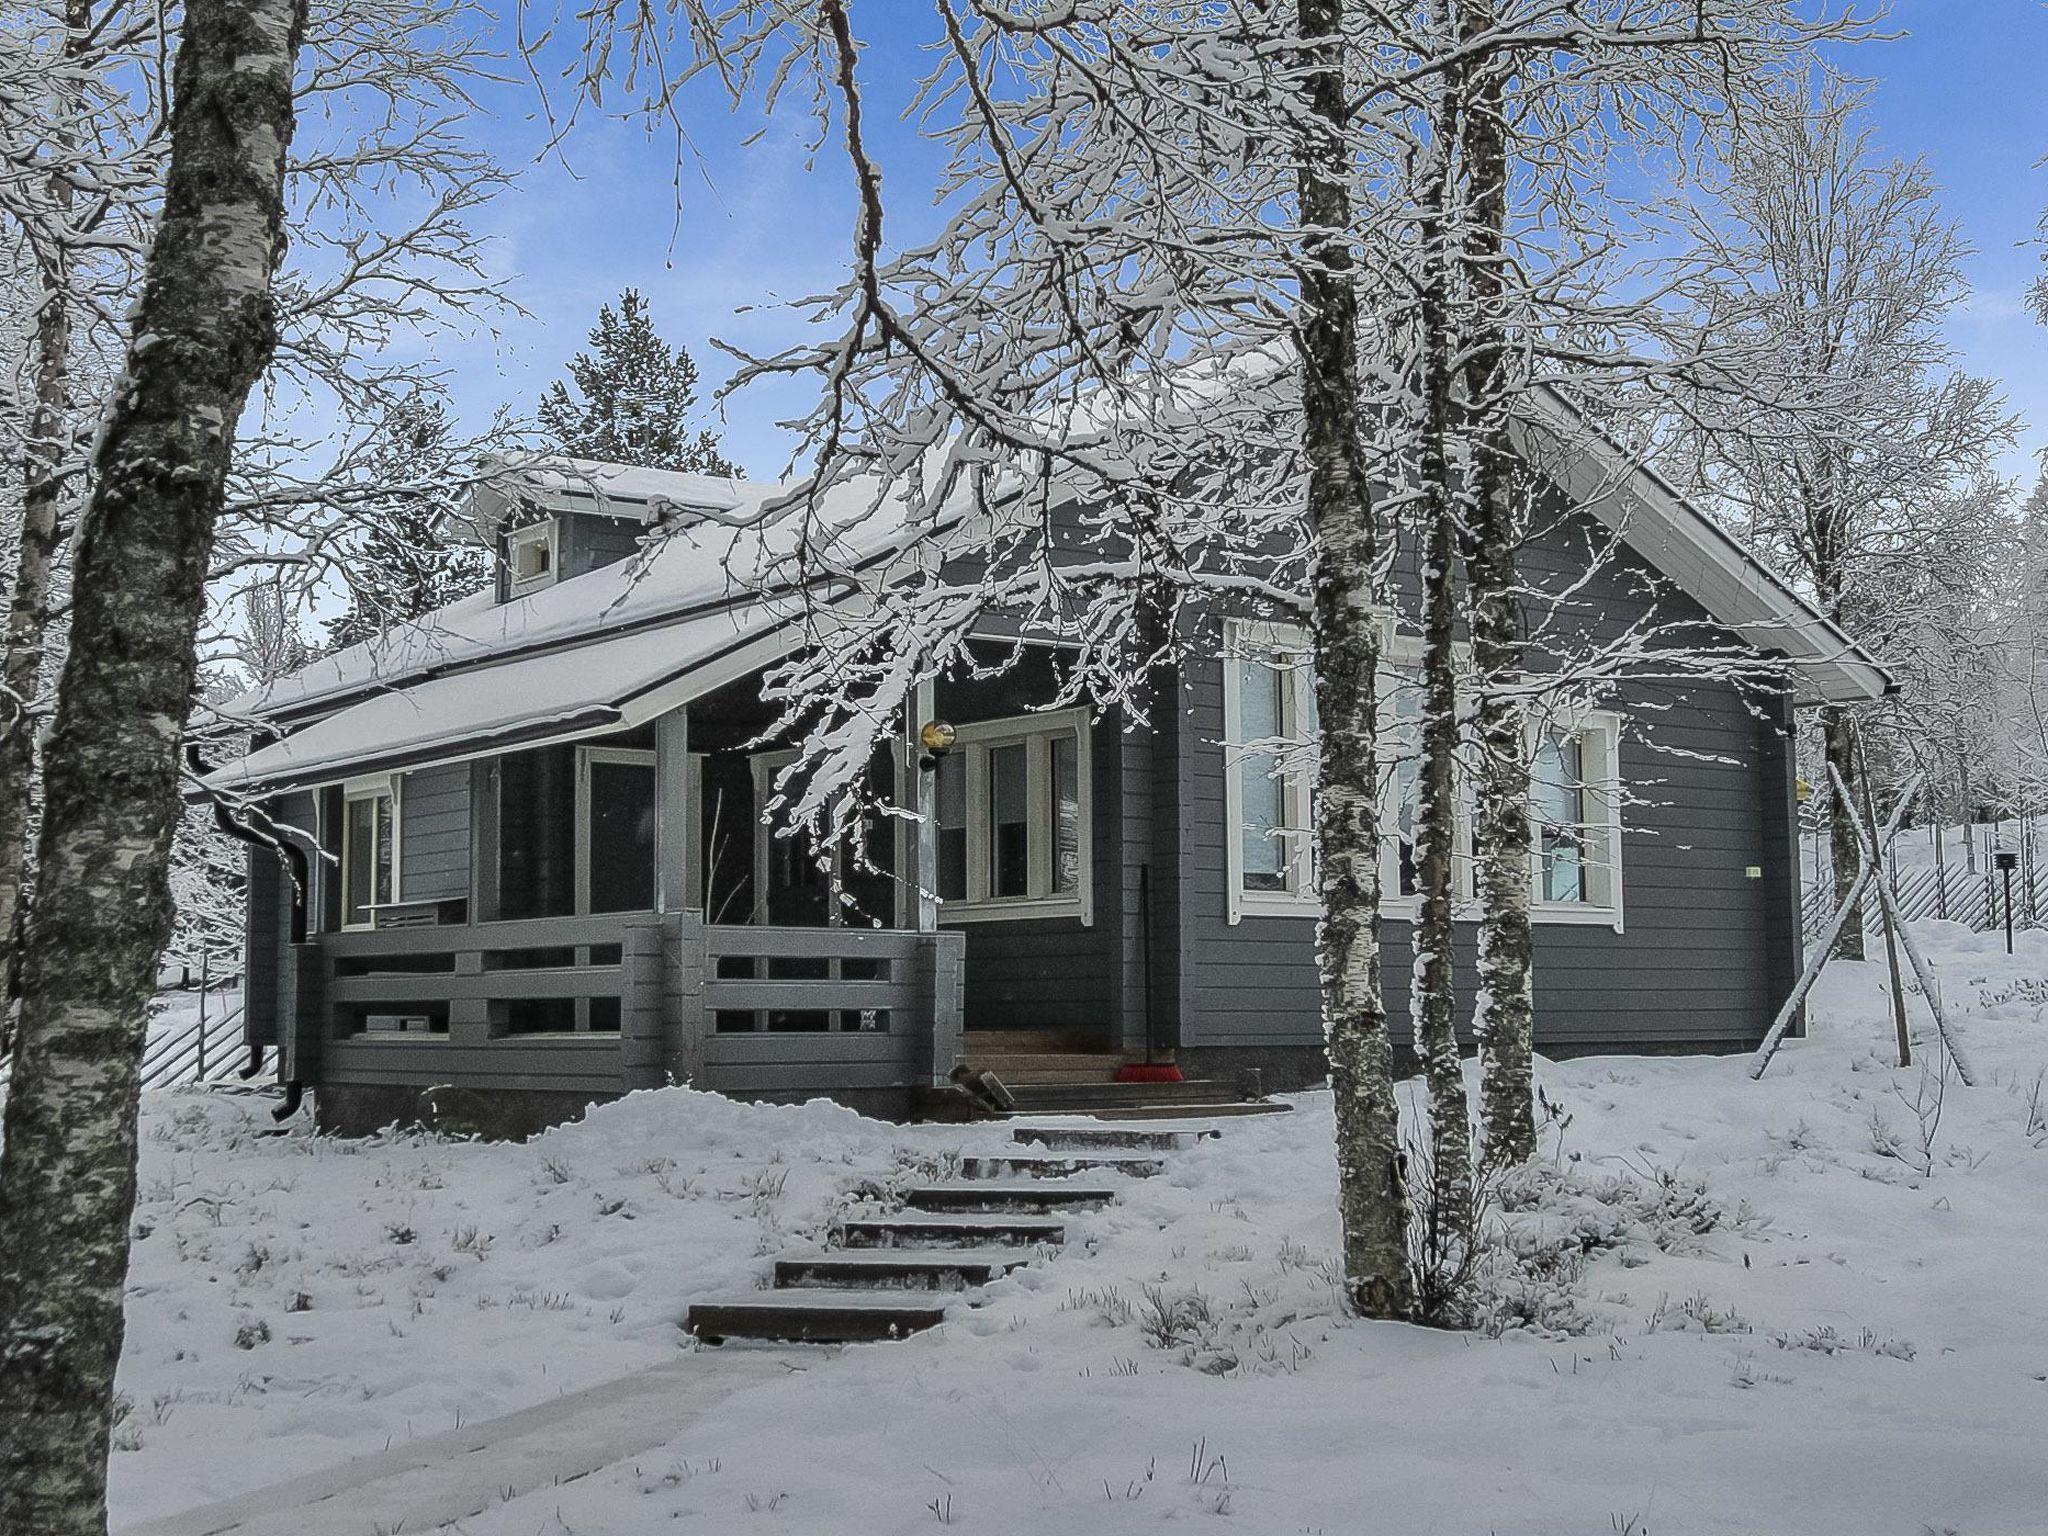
[(1491, 533), (1838, 746), (1372, 1185), (204, 330), (1433, 999), (50, 441)]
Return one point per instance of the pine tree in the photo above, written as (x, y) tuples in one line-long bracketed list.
[(402, 562), (634, 396)]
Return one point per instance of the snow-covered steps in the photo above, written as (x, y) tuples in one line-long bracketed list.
[(1006, 1195), (894, 1274), (819, 1316), (1107, 1137), (1060, 1164), (898, 1268), (965, 1230)]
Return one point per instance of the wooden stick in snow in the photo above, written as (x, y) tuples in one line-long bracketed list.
[(1895, 926), (1826, 947)]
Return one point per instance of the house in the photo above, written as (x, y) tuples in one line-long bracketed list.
[(540, 865)]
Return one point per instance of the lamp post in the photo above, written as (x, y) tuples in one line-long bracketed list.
[(2007, 861)]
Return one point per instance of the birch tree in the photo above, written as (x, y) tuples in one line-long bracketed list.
[(380, 191), (204, 328), (1148, 235)]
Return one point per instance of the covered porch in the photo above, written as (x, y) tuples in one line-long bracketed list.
[(600, 905)]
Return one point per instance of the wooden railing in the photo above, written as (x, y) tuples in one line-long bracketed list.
[(788, 1011), (487, 992), (759, 1011)]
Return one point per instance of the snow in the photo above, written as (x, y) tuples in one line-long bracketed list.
[(1780, 1326)]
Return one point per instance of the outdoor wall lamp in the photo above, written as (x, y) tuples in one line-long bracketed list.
[(937, 738)]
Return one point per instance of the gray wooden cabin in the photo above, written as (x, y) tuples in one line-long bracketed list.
[(543, 870)]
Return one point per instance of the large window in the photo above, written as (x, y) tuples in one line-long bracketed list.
[(369, 851), (1011, 815), (1269, 719), (576, 831), (1270, 724)]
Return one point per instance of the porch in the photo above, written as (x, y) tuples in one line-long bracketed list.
[(583, 917)]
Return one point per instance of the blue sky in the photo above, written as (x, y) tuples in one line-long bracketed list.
[(765, 223)]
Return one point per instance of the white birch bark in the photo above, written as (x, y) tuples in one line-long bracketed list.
[(203, 330)]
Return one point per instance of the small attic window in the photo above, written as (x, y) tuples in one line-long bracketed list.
[(530, 558)]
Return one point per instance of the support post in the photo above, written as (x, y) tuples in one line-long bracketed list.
[(675, 840), (686, 1021), (939, 978)]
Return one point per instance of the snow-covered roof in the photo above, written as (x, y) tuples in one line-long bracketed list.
[(558, 483), (710, 599), (720, 593)]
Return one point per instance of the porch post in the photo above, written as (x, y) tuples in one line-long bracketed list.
[(674, 838), (922, 783)]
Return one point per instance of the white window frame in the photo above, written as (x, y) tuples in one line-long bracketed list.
[(638, 757), (545, 534), (1243, 638), (973, 742), (373, 787), (1401, 658), (1599, 731)]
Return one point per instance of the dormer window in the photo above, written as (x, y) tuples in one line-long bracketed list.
[(530, 558)]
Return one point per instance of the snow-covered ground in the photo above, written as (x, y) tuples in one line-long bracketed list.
[(1775, 1307)]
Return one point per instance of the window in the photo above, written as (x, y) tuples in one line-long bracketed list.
[(1270, 729), (1575, 812), (369, 851), (1011, 816), (615, 856), (1401, 803), (1401, 704), (576, 831), (793, 885), (530, 558)]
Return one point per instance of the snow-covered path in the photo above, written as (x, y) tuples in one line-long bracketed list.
[(435, 1481)]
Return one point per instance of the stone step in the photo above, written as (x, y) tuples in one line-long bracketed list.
[(910, 1269), (1063, 1097), (1059, 1164), (1044, 1072), (964, 1230), (1114, 1114), (817, 1316), (1106, 1137), (999, 1195)]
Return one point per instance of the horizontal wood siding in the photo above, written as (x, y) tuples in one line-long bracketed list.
[(588, 541), (433, 840), (593, 1065), (1704, 951), (268, 928), (811, 1062)]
